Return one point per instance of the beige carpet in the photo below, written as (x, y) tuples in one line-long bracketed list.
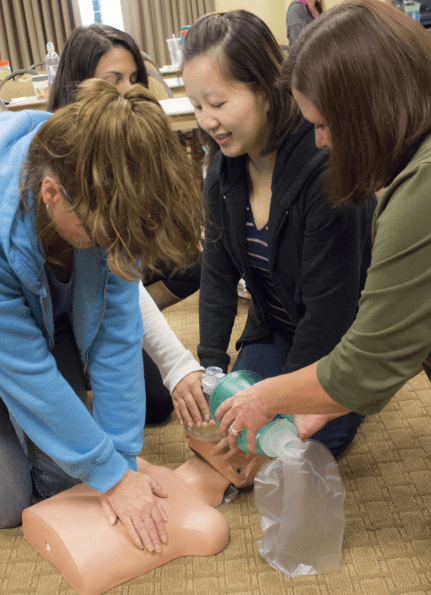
[(387, 539)]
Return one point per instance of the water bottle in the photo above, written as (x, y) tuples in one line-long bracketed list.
[(4, 69), (273, 436), (208, 380), (52, 61)]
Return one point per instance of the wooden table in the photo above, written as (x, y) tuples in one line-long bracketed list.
[(176, 85), (173, 78), (181, 113), (170, 71), (40, 105), (179, 110)]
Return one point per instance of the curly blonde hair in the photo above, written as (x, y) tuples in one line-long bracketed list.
[(125, 170)]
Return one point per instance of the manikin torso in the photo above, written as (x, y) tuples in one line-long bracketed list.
[(71, 531)]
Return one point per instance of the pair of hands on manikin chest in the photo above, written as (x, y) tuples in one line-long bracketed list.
[(136, 500)]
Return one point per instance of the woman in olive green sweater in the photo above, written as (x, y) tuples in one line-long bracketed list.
[(371, 107)]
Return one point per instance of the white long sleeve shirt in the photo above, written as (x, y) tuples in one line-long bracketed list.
[(162, 345)]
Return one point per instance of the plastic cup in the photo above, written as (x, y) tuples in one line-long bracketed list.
[(175, 51)]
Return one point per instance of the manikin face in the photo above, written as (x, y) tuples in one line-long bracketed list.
[(235, 117), (311, 113), (117, 67)]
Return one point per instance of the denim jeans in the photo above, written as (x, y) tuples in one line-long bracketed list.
[(267, 359), (33, 472)]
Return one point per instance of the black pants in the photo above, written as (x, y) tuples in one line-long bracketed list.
[(159, 401)]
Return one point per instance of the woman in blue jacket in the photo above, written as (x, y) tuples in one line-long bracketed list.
[(304, 263), (101, 51), (85, 203)]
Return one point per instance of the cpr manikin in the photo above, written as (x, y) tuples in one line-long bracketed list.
[(71, 531)]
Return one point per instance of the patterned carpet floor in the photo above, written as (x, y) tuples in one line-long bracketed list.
[(387, 538)]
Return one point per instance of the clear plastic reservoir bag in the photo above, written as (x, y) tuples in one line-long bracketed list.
[(300, 499)]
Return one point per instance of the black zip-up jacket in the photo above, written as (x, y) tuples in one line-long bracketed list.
[(319, 255)]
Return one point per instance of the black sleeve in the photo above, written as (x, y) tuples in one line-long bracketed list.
[(218, 298)]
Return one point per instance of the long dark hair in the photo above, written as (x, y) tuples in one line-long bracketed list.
[(248, 53), (81, 55), (318, 6), (366, 67)]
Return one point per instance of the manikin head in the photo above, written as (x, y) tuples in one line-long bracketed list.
[(239, 469)]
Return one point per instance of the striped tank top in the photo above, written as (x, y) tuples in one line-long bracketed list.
[(258, 254)]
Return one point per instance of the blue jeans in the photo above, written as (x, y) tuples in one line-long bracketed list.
[(24, 469), (267, 359)]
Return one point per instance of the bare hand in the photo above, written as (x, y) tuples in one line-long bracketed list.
[(243, 411), (252, 408), (134, 501), (189, 401), (221, 446), (308, 425)]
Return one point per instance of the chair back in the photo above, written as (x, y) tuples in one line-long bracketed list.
[(34, 66), (150, 64), (158, 86), (10, 89)]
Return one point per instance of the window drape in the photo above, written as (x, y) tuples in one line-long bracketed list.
[(27, 25), (151, 22)]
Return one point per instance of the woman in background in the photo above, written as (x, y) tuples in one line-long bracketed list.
[(368, 96), (78, 226), (101, 51), (300, 14), (304, 263), (96, 51)]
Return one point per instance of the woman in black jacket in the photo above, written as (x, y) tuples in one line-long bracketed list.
[(304, 263)]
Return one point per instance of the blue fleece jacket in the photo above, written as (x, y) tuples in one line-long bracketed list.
[(108, 330)]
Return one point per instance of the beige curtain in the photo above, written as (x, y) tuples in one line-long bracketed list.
[(151, 22), (27, 25)]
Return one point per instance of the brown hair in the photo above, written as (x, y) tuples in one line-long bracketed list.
[(248, 53), (366, 67), (126, 172)]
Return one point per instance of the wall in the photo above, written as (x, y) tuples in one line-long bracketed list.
[(272, 12)]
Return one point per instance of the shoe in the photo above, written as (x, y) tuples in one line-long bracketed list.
[(242, 290)]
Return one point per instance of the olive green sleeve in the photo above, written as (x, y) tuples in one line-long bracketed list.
[(391, 335)]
